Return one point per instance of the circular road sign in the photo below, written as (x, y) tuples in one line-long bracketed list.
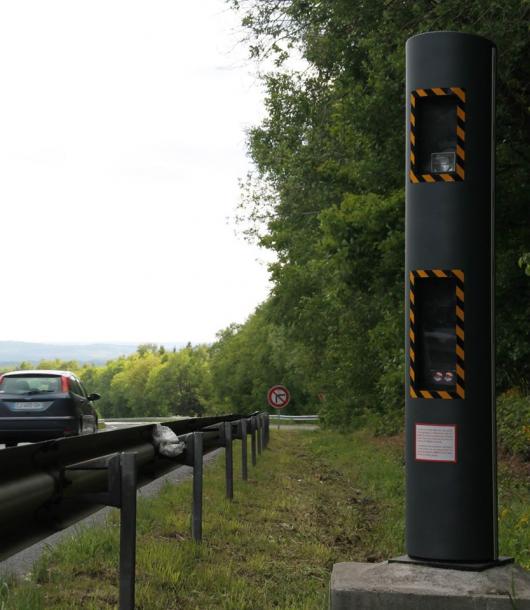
[(278, 396)]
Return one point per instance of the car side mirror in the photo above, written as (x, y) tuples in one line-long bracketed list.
[(94, 396)]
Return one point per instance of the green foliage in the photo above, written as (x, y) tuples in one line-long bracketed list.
[(153, 382), (150, 382), (524, 262), (127, 388), (326, 196), (513, 423), (247, 360), (181, 383)]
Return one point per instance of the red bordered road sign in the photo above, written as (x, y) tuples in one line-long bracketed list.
[(278, 396)]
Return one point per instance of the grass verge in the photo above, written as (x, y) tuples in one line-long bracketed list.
[(314, 498)]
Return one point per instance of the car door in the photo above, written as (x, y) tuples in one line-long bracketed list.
[(82, 406), (90, 412)]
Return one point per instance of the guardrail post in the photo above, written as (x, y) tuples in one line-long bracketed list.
[(244, 459), (229, 462), (121, 492), (127, 530), (266, 418), (196, 515), (263, 432), (253, 439), (259, 432)]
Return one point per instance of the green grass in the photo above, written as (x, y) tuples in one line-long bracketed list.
[(514, 510), (314, 498)]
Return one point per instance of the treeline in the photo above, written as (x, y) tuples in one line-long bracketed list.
[(327, 197), (150, 382), (195, 380)]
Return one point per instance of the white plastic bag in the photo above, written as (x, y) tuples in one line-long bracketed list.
[(167, 442)]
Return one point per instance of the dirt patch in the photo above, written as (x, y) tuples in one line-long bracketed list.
[(397, 441), (516, 466)]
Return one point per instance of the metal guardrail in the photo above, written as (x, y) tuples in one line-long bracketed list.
[(47, 486), (162, 418), (296, 417)]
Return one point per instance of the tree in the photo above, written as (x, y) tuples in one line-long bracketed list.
[(247, 360), (181, 385)]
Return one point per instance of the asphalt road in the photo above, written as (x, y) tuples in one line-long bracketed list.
[(115, 425)]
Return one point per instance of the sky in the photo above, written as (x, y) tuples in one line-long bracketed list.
[(122, 139)]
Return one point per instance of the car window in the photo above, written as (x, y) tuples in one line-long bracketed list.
[(75, 387), (25, 385), (82, 388)]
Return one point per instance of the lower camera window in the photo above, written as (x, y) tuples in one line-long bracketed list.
[(435, 311)]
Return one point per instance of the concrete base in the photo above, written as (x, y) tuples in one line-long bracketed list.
[(400, 586), (454, 565)]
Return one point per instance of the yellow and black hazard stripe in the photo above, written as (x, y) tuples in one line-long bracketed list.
[(459, 174), (460, 385)]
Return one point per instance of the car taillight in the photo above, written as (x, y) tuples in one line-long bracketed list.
[(1, 379), (64, 384)]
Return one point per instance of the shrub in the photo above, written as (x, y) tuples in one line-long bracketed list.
[(513, 423)]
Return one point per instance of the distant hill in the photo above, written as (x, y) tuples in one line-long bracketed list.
[(14, 352)]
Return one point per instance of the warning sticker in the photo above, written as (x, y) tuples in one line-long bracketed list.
[(435, 443)]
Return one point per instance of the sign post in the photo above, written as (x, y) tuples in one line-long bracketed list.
[(278, 397)]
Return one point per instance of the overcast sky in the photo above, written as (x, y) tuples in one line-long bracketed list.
[(122, 138)]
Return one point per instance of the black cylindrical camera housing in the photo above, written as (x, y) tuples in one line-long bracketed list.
[(451, 512)]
